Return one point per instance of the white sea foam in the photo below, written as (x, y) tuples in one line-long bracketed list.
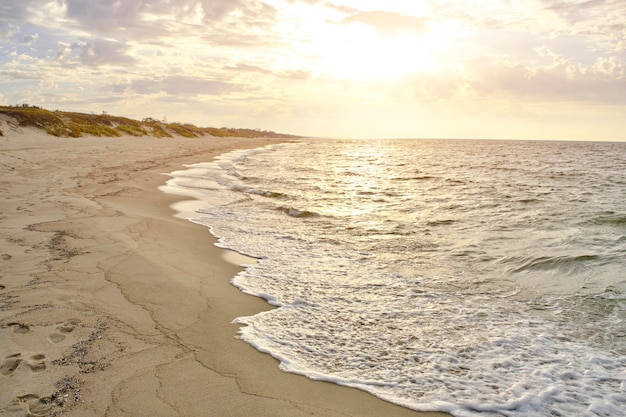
[(469, 277)]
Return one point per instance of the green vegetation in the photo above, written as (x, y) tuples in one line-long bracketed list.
[(156, 129), (72, 124), (185, 130), (132, 130)]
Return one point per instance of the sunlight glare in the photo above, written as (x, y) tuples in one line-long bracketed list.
[(357, 51)]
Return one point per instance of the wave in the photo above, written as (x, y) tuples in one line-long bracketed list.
[(610, 219), (290, 211), (440, 222), (416, 178), (546, 263), (529, 200), (249, 190)]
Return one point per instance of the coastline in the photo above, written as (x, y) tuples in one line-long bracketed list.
[(130, 308)]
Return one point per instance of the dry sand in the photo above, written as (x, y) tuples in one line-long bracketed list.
[(110, 306)]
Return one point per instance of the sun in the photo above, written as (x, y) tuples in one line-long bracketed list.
[(368, 49), (329, 47), (359, 52)]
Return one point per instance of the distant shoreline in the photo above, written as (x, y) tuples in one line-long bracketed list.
[(74, 124)]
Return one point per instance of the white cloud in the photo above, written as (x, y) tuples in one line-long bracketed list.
[(30, 39), (274, 59), (64, 50), (7, 30), (388, 23), (182, 86), (496, 79), (97, 52)]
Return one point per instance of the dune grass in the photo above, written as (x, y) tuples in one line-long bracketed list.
[(75, 125)]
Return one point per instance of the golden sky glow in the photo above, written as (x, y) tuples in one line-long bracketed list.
[(537, 69)]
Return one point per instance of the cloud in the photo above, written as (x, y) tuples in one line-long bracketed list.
[(247, 68), (177, 86), (295, 75), (217, 9), (147, 19), (109, 15), (97, 52), (103, 52), (388, 23), (262, 55), (208, 10), (37, 12), (7, 30), (577, 11), (20, 10), (30, 39), (105, 14), (152, 21), (602, 19), (289, 74), (64, 50), (603, 82)]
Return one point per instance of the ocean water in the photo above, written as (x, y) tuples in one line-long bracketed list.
[(480, 278)]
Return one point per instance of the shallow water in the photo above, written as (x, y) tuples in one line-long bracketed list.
[(475, 277)]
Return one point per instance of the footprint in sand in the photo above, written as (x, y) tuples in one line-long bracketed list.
[(67, 327), (36, 363), (19, 327), (56, 337), (10, 364), (35, 406)]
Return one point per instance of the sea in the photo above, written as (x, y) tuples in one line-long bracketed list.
[(475, 277)]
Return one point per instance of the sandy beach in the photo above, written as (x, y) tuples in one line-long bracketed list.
[(111, 306)]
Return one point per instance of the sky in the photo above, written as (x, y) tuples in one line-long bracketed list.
[(509, 69)]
